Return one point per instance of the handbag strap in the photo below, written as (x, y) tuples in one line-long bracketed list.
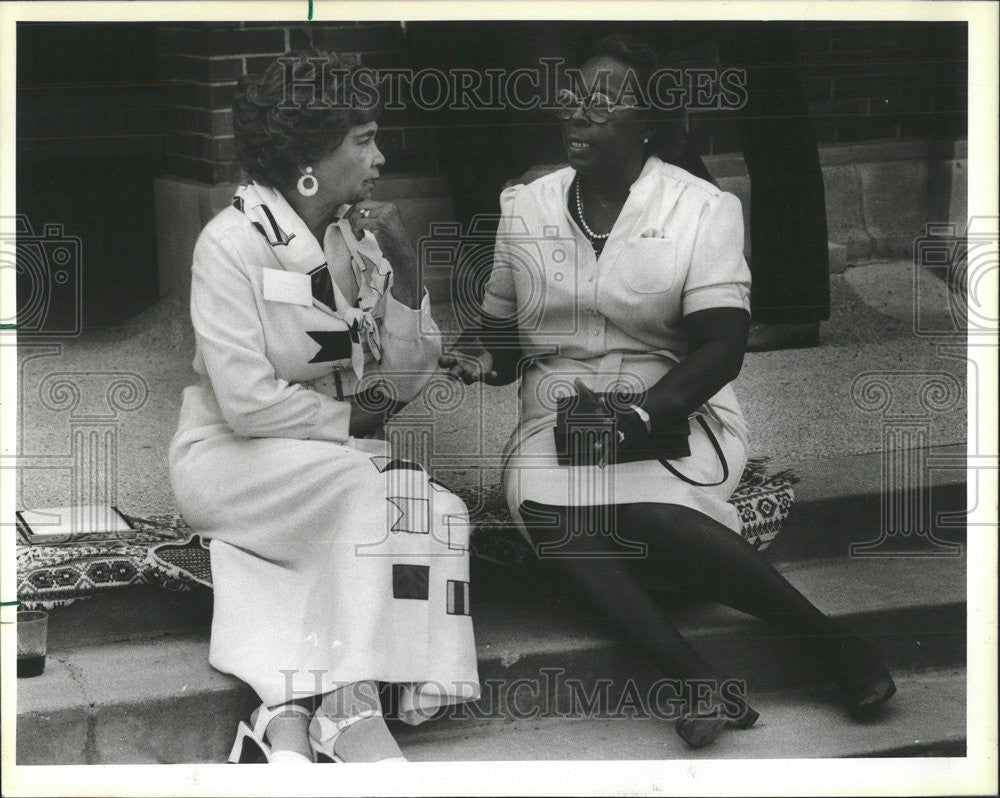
[(718, 451)]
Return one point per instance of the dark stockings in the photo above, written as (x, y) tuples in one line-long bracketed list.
[(704, 558)]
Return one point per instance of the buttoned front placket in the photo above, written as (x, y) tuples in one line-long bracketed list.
[(594, 324)]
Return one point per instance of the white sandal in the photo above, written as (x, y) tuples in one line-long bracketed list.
[(324, 732), (256, 735)]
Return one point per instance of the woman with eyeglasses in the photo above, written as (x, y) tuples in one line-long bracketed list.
[(620, 296)]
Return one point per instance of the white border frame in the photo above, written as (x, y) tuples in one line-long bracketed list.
[(974, 774)]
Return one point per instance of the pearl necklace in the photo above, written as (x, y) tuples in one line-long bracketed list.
[(583, 222)]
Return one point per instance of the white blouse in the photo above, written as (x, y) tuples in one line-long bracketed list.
[(676, 248)]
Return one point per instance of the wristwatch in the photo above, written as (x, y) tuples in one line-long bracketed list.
[(643, 415)]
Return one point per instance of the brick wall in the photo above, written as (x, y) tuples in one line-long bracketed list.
[(863, 81), (199, 64), (870, 80)]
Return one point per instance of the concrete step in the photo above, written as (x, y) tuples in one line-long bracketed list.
[(842, 503), (838, 504), (926, 718), (156, 699)]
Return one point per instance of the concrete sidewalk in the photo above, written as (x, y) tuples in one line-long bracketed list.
[(802, 405), (799, 404)]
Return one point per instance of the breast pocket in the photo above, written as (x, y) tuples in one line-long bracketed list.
[(649, 265)]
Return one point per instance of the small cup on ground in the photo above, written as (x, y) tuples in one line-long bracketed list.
[(32, 642)]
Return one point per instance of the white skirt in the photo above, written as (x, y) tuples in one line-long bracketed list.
[(331, 565), (532, 473)]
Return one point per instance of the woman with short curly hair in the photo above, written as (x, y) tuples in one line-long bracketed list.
[(335, 564)]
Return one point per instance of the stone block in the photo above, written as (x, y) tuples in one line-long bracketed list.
[(948, 192), (740, 186), (838, 257), (878, 151), (845, 224), (55, 690), (182, 209), (53, 701), (894, 198), (728, 165), (418, 216)]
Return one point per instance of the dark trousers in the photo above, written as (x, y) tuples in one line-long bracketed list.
[(788, 237)]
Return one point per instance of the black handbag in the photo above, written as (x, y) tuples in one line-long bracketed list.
[(579, 431)]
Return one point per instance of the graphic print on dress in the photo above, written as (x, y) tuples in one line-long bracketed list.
[(383, 464), (410, 581), (333, 345), (458, 597), (322, 286), (413, 508), (414, 515), (280, 239), (368, 265)]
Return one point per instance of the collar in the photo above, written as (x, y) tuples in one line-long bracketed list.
[(652, 165)]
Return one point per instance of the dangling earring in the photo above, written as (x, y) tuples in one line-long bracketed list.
[(645, 139), (307, 185)]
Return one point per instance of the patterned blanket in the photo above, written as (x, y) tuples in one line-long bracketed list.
[(165, 552)]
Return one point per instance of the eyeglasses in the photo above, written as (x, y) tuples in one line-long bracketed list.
[(598, 107)]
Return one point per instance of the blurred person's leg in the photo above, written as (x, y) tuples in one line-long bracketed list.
[(788, 235)]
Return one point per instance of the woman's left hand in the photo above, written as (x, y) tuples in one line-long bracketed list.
[(626, 429)]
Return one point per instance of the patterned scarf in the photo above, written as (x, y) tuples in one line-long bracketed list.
[(297, 250)]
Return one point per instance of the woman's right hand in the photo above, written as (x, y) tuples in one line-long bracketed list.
[(469, 361), (382, 220)]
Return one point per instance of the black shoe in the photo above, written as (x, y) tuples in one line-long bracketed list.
[(770, 337), (859, 672), (699, 729), (867, 695)]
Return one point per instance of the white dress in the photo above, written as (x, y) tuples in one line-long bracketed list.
[(332, 561), (616, 322)]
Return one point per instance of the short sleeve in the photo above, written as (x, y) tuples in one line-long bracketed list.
[(718, 276), (500, 298)]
